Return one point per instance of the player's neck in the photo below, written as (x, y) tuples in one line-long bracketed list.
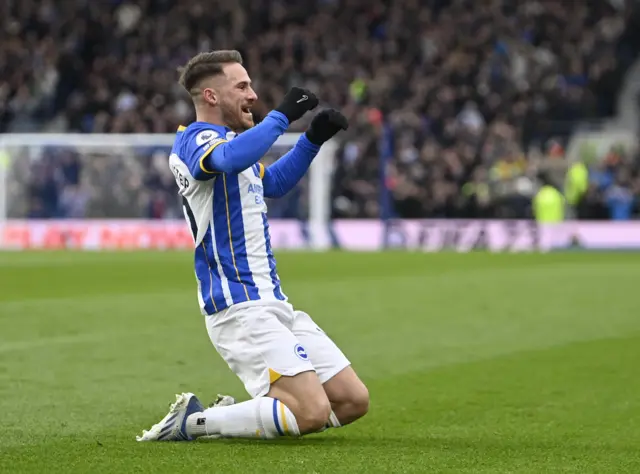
[(211, 117), (218, 123)]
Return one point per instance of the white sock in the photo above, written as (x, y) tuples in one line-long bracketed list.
[(263, 417), (332, 423)]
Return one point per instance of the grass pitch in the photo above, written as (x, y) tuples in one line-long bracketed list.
[(475, 363)]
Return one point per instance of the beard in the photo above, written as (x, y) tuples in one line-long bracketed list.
[(235, 119)]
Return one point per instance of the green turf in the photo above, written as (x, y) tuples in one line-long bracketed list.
[(475, 363)]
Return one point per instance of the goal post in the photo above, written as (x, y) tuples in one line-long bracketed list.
[(19, 153)]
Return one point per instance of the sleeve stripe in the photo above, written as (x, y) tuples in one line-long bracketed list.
[(207, 153), (261, 166)]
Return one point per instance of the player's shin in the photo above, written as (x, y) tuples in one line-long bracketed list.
[(263, 417)]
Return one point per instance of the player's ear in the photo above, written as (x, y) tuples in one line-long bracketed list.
[(210, 96)]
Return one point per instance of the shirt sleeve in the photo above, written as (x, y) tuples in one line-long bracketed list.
[(198, 146), (212, 154), (246, 149), (282, 176)]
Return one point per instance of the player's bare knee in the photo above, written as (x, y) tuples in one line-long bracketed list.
[(354, 405), (313, 415), (359, 402)]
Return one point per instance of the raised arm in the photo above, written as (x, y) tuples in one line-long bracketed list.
[(247, 148), (282, 176)]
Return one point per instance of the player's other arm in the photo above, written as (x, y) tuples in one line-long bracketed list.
[(282, 176), (247, 148)]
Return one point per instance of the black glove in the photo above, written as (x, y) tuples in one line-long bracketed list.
[(325, 125), (296, 103)]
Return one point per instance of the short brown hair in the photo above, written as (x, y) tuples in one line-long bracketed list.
[(204, 65)]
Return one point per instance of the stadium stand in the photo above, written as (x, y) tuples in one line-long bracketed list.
[(453, 103)]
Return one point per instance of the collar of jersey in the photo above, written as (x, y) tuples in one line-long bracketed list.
[(182, 128)]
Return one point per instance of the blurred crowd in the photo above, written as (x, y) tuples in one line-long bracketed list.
[(455, 106), (125, 182)]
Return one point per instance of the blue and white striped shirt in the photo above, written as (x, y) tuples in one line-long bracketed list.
[(234, 262)]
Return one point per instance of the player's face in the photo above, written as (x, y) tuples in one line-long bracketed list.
[(237, 98)]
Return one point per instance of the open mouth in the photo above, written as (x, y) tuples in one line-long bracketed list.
[(246, 110)]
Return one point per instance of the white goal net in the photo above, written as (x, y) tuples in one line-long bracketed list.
[(77, 181)]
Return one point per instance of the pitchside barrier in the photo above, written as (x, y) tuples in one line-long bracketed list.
[(354, 235)]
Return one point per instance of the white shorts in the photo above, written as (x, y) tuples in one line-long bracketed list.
[(263, 341)]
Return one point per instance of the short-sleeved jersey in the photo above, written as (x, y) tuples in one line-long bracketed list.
[(227, 215)]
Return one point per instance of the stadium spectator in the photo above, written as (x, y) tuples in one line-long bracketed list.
[(467, 98)]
